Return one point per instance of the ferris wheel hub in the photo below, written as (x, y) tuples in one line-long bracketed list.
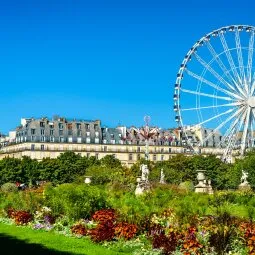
[(251, 101)]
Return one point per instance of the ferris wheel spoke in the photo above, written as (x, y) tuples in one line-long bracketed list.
[(252, 126), (250, 56), (209, 83), (231, 130), (253, 84), (211, 106), (229, 57), (220, 63), (231, 139), (206, 95), (216, 116), (245, 131), (240, 55), (251, 135), (221, 125), (213, 72)]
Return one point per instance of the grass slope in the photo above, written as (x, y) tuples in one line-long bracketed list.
[(22, 240)]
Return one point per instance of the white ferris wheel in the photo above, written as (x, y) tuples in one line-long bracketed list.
[(215, 91)]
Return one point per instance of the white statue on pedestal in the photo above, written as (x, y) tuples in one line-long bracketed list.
[(145, 173), (244, 178), (162, 177), (143, 182)]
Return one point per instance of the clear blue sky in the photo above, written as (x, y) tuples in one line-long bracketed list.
[(109, 60)]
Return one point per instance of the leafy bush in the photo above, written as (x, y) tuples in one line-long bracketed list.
[(104, 215), (167, 242), (9, 187), (104, 231), (21, 217), (125, 230), (27, 201), (75, 201), (188, 186), (79, 229)]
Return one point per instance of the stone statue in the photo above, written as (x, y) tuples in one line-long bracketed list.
[(244, 177), (244, 182), (145, 173), (143, 182), (162, 177)]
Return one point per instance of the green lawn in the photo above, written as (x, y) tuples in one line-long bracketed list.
[(22, 240)]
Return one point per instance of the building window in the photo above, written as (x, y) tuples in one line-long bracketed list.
[(51, 126), (69, 126), (52, 132), (33, 138), (32, 147), (96, 140), (139, 149), (61, 139), (78, 125), (88, 133), (70, 139), (138, 156), (79, 133), (105, 148), (130, 156), (162, 150), (154, 157), (42, 147), (42, 124), (70, 132), (162, 157), (42, 132), (87, 127), (96, 133), (51, 139), (112, 141), (32, 131), (79, 140), (60, 125), (88, 155), (42, 138), (61, 132), (96, 127), (169, 150), (96, 155), (87, 140)]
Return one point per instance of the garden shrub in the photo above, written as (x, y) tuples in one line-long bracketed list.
[(20, 217), (9, 187), (104, 215), (104, 231), (248, 230), (125, 230), (79, 229), (160, 240), (188, 186), (75, 201), (22, 200)]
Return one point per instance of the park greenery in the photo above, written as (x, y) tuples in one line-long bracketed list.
[(70, 167), (170, 218)]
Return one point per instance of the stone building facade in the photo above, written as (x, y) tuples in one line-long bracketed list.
[(41, 138)]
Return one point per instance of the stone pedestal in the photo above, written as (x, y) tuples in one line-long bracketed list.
[(244, 186), (201, 187)]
